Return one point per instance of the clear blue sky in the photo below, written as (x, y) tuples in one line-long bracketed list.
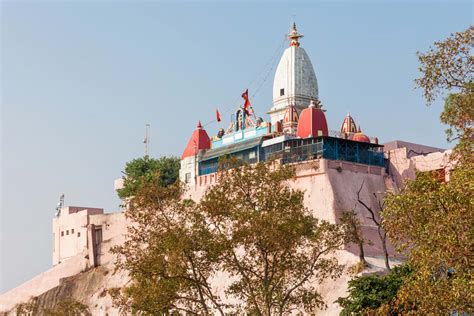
[(80, 79)]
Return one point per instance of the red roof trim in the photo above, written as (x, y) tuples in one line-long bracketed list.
[(199, 141)]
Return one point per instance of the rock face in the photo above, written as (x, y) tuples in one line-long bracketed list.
[(89, 288)]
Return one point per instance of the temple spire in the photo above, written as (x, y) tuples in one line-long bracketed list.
[(295, 82), (294, 36)]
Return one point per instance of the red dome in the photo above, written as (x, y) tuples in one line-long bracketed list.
[(348, 125), (312, 122), (360, 137), (199, 140)]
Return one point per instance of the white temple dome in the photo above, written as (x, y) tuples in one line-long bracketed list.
[(295, 82)]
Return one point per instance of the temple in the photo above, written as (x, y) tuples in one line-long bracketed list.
[(297, 130), (334, 168)]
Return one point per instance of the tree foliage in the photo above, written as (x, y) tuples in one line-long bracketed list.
[(354, 233), (432, 221), (370, 293), (141, 170), (447, 69), (250, 226), (447, 66), (168, 254), (68, 307), (64, 307), (459, 114), (273, 246)]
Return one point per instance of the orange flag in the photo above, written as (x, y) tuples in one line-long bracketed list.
[(245, 96)]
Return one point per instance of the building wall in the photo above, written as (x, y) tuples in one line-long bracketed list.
[(76, 254), (114, 229), (73, 235), (403, 165), (187, 172), (331, 188), (70, 231)]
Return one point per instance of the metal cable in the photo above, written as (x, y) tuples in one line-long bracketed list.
[(271, 63)]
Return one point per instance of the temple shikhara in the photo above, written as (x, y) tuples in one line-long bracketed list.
[(297, 130), (332, 163)]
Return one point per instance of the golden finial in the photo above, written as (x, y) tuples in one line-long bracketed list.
[(294, 36)]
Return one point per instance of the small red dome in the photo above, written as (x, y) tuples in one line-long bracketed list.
[(312, 122), (199, 140), (348, 125), (360, 137)]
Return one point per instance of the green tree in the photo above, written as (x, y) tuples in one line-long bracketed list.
[(168, 254), (64, 307), (447, 69), (141, 170), (432, 221), (273, 247), (68, 307), (374, 293)]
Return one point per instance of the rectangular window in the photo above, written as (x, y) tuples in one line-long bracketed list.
[(78, 234), (251, 155), (187, 177), (67, 232), (282, 92), (62, 233), (72, 231)]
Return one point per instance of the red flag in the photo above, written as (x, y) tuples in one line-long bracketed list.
[(245, 96), (218, 115)]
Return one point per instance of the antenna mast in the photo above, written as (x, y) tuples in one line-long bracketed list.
[(147, 139), (60, 205)]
